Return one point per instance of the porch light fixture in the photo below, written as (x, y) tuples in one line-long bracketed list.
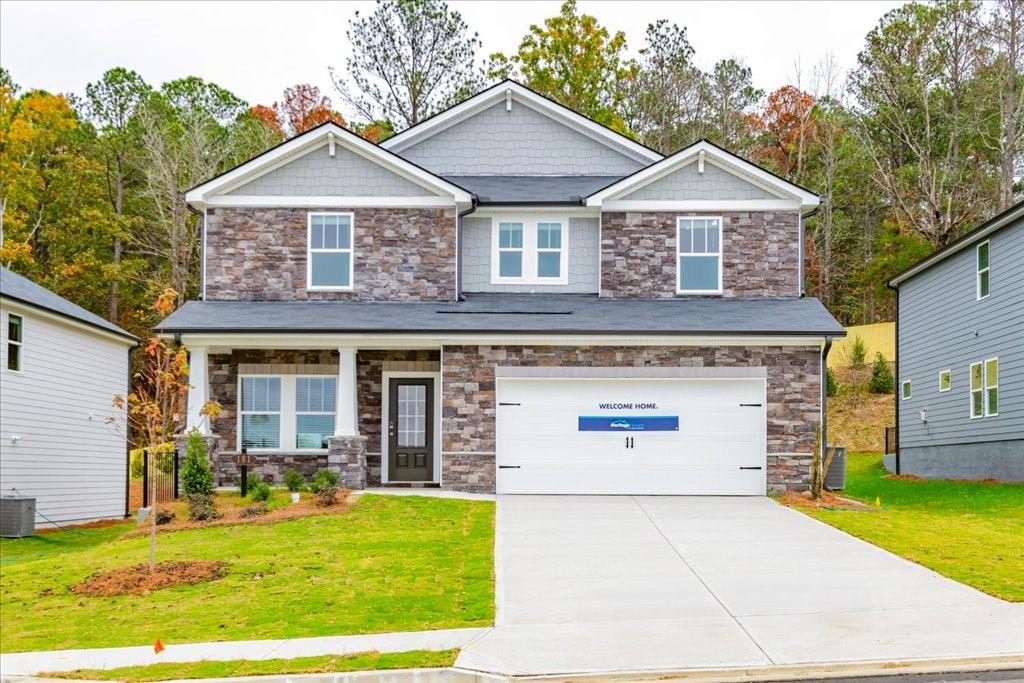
[(924, 415)]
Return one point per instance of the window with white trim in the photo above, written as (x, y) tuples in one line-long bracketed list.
[(329, 255), (985, 388), (260, 412), (286, 412), (945, 380), (699, 255), (15, 329), (314, 410), (530, 250), (905, 389), (982, 270)]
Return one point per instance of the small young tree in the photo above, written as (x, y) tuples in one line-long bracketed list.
[(858, 352), (882, 381), (831, 383), (196, 476)]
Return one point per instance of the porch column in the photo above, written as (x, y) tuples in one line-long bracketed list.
[(347, 422), (198, 391)]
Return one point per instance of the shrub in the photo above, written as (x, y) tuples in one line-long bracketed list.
[(260, 492), (201, 508), (858, 352), (882, 381), (196, 476), (251, 482), (255, 510), (164, 516), (325, 486), (831, 383), (294, 480)]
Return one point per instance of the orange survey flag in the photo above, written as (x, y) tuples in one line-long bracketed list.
[(158, 647)]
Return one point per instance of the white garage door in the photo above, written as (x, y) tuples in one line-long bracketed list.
[(631, 436)]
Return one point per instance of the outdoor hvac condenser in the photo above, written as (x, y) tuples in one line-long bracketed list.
[(17, 515)]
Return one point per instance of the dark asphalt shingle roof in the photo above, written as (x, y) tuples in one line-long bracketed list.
[(515, 314), (14, 286), (494, 189)]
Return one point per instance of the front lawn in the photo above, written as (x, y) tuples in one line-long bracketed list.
[(390, 563), (972, 532)]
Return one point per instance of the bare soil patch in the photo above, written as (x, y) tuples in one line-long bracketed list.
[(828, 500), (139, 580)]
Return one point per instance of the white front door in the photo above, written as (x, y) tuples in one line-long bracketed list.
[(631, 436)]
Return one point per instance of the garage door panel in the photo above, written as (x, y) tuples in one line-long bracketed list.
[(541, 449)]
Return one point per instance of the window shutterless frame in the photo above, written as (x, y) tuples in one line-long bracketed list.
[(991, 387), (905, 389), (977, 390), (311, 249), (982, 280), (704, 251), (287, 412), (539, 240), (945, 380), (15, 342)]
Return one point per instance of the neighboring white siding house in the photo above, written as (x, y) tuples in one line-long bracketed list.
[(58, 383)]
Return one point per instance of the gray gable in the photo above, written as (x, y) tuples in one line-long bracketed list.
[(518, 142), (316, 173), (687, 183)]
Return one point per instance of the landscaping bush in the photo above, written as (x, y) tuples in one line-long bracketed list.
[(196, 476), (882, 381), (294, 480), (858, 352), (255, 510), (201, 508), (831, 383), (164, 516), (251, 482), (325, 486), (260, 492)]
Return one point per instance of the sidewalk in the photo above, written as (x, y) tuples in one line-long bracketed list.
[(28, 663)]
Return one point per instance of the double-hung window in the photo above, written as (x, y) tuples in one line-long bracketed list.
[(699, 262), (530, 251), (982, 270), (260, 411), (985, 388), (15, 328), (329, 255), (286, 412), (314, 410)]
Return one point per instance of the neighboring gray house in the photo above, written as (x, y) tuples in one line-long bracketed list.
[(960, 356), (60, 368), (512, 297)]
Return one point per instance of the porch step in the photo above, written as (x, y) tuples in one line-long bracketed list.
[(411, 485)]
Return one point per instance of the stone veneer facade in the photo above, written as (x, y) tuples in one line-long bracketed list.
[(259, 254), (760, 253), (468, 400)]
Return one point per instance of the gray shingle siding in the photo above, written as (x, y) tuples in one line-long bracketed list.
[(943, 326), (316, 174), (687, 183), (518, 142), (584, 258)]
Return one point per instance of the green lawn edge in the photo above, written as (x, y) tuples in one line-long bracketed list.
[(969, 531), (360, 661)]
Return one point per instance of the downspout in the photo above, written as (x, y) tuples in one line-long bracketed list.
[(824, 396), (896, 392), (128, 443), (458, 247)]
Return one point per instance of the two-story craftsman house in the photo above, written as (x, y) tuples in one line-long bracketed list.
[(511, 297)]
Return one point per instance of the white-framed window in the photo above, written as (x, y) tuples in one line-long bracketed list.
[(945, 380), (15, 336), (977, 391), (286, 412), (699, 255), (315, 411), (530, 250), (905, 389), (982, 270), (329, 253), (985, 388)]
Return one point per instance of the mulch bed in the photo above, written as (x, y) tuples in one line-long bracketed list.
[(828, 501), (138, 580)]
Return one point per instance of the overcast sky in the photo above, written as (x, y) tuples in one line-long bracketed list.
[(256, 49)]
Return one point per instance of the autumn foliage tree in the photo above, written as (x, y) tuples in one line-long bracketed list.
[(304, 107), (785, 123)]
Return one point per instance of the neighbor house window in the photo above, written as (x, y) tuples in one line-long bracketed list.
[(699, 245), (983, 270), (905, 389), (260, 411), (314, 410), (14, 333), (985, 388), (945, 380), (510, 250), (549, 250), (329, 258)]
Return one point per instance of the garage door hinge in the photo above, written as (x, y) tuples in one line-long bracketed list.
[(750, 405), (508, 467), (509, 404), (751, 468)]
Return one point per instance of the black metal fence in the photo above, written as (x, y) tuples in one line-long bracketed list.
[(153, 473), (890, 440)]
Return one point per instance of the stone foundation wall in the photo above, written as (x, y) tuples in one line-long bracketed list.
[(468, 399)]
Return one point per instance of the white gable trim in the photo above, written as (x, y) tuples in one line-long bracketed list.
[(710, 154), (309, 141), (330, 201), (523, 95)]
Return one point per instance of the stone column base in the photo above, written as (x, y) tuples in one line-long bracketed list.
[(346, 455), (211, 441)]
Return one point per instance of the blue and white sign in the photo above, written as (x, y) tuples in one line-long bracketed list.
[(640, 423)]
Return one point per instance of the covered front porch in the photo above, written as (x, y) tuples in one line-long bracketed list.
[(370, 414)]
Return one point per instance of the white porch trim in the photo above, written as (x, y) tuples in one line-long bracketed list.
[(346, 422), (198, 390)]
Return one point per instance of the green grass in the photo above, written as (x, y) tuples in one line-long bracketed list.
[(972, 532), (57, 542), (362, 661), (391, 563)]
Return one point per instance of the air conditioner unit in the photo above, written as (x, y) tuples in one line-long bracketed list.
[(17, 516), (835, 478)]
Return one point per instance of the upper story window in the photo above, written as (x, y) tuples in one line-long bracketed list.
[(329, 253), (985, 388), (699, 245), (530, 251), (982, 270), (15, 328)]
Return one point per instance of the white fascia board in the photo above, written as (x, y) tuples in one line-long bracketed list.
[(702, 205), (717, 157), (28, 310), (490, 210), (330, 201), (310, 141), (497, 93)]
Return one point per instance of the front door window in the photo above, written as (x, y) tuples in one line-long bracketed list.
[(410, 430)]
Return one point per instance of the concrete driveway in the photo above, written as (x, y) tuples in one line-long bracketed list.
[(614, 584)]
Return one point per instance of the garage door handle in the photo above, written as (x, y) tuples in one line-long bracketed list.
[(751, 468), (750, 405), (508, 467), (510, 404)]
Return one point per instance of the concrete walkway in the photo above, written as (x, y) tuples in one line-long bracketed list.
[(28, 663), (605, 584)]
